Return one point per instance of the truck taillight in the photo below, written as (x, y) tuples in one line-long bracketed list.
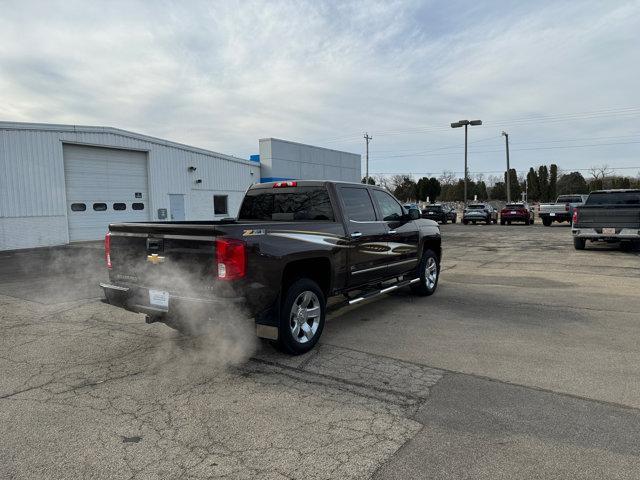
[(107, 249), (574, 220), (285, 184), (231, 259)]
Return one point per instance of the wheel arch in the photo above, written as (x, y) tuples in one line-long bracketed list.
[(317, 269)]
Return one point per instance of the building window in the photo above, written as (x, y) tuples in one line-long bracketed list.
[(220, 205), (78, 207), (119, 206), (137, 206), (99, 207)]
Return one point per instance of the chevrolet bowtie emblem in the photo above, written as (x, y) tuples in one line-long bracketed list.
[(155, 258)]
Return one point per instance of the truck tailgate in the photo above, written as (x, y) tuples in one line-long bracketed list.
[(164, 258), (609, 216)]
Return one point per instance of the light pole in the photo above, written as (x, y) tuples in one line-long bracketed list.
[(506, 141), (465, 123)]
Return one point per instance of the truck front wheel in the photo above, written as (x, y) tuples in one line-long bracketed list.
[(301, 317), (428, 273), (579, 243)]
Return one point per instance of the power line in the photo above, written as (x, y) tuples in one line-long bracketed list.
[(532, 119), (429, 154), (433, 172)]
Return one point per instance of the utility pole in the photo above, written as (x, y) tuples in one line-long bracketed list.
[(367, 138), (466, 124), (506, 140)]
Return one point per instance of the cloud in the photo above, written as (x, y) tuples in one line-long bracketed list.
[(220, 75)]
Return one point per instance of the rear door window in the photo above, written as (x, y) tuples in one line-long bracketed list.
[(357, 204)]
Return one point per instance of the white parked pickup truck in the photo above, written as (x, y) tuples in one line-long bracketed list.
[(562, 210)]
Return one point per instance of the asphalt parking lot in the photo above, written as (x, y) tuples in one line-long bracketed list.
[(525, 364)]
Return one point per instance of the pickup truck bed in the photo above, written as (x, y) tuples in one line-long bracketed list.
[(295, 244)]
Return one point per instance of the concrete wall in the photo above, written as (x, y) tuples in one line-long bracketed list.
[(284, 160), (33, 210)]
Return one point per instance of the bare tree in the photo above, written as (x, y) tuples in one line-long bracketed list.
[(384, 182), (447, 178), (600, 174)]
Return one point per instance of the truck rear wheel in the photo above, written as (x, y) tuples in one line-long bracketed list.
[(428, 272), (301, 317), (579, 243), (546, 221)]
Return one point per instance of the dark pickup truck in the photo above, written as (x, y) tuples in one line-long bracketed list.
[(293, 245), (609, 216)]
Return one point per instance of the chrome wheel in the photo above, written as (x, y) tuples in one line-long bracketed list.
[(431, 273), (304, 318)]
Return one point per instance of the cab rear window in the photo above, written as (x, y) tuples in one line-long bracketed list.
[(304, 203), (614, 198)]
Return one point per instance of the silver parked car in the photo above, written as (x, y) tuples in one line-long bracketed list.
[(479, 212)]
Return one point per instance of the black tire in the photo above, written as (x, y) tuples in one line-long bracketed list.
[(502, 221), (508, 222), (473, 221), (444, 221), (488, 221), (579, 243), (546, 221), (287, 341), (427, 284), (495, 221), (465, 222), (454, 220)]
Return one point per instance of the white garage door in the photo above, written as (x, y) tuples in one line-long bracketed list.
[(104, 185)]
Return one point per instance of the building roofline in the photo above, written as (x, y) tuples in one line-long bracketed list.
[(308, 145), (54, 127)]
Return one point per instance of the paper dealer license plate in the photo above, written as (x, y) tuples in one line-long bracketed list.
[(552, 214), (513, 212), (159, 298), (608, 231)]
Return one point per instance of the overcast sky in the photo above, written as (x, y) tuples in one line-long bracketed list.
[(561, 77)]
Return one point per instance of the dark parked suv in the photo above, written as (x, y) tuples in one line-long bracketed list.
[(440, 213)]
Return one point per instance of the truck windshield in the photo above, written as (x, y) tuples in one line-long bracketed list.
[(304, 203), (614, 198)]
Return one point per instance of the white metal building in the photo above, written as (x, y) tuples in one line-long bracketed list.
[(284, 160), (65, 183)]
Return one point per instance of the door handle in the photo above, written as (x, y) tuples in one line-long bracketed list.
[(356, 234), (391, 231)]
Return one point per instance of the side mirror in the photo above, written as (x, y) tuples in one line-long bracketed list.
[(414, 213)]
